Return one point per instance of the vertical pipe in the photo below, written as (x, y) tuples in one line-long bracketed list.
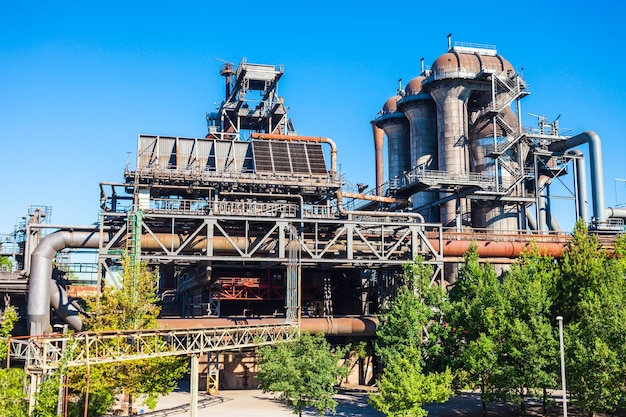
[(580, 176), (542, 207), (379, 139), (595, 164)]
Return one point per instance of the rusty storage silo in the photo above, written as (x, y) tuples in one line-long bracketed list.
[(421, 112), (396, 128)]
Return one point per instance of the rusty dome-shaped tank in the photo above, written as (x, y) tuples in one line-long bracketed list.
[(391, 105), (471, 62), (414, 86)]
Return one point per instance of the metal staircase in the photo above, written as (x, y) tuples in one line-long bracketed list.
[(505, 90), (133, 241)]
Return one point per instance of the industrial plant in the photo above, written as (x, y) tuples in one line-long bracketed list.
[(251, 223)]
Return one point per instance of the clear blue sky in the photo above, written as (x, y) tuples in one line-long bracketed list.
[(80, 80)]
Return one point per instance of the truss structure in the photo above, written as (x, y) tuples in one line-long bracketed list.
[(45, 353), (358, 241)]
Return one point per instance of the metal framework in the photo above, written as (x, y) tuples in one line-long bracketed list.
[(362, 240), (45, 353)]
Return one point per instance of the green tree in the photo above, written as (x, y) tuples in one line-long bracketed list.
[(5, 263), (408, 344), (304, 373), (590, 294), (529, 350), (12, 398), (583, 271), (131, 307), (596, 330), (476, 317), (403, 388)]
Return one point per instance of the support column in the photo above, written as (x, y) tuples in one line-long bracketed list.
[(193, 387), (35, 380), (213, 373)]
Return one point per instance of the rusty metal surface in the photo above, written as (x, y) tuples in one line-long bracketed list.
[(331, 326)]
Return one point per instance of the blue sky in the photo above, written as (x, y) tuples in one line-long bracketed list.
[(79, 81)]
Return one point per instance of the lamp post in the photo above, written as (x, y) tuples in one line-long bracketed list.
[(564, 388)]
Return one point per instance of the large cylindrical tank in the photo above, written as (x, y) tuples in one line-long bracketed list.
[(396, 128), (451, 83), (421, 112), (451, 92)]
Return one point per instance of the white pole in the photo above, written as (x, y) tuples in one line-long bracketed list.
[(193, 387), (564, 388)]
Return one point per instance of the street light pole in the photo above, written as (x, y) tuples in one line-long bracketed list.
[(564, 388)]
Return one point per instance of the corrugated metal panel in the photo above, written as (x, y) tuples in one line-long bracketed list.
[(185, 153), (204, 150), (146, 154), (239, 151), (167, 152), (222, 153)]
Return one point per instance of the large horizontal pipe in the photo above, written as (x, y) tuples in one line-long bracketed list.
[(619, 213), (370, 197), (491, 249), (330, 326), (452, 246)]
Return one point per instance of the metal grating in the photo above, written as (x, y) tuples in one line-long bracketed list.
[(299, 161), (280, 155), (316, 159), (262, 156)]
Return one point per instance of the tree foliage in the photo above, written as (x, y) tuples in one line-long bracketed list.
[(594, 307), (304, 372), (503, 338), (130, 307), (403, 388), (476, 315), (529, 349), (408, 343), (12, 398), (5, 263)]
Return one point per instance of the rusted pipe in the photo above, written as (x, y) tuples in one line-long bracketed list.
[(379, 142), (339, 194), (330, 326), (378, 198), (493, 249), (314, 139)]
